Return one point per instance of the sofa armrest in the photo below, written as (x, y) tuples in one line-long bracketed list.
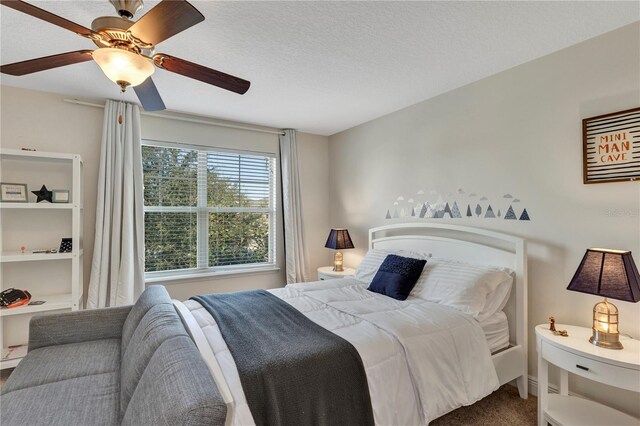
[(75, 327)]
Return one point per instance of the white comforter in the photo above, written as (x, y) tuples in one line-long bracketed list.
[(422, 360)]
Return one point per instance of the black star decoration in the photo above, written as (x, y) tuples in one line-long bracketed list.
[(44, 194)]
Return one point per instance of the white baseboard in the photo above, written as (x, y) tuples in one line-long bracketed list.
[(533, 388)]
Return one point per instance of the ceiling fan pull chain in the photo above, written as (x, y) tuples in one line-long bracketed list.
[(120, 107)]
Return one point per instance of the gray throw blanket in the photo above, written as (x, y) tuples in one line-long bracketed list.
[(293, 371)]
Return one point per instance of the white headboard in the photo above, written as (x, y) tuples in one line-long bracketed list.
[(473, 245)]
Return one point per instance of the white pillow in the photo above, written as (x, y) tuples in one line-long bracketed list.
[(374, 258), (477, 290), (498, 298)]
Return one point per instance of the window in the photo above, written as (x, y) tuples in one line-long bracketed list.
[(206, 210)]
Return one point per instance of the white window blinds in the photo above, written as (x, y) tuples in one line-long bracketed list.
[(207, 209)]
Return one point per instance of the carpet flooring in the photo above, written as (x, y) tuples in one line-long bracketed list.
[(502, 408)]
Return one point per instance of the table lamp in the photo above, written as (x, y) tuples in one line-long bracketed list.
[(610, 274), (339, 239)]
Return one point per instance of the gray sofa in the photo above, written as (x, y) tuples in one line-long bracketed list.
[(133, 365)]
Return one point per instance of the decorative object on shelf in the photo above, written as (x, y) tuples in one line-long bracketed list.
[(607, 273), (13, 192), (66, 245), (339, 239), (27, 149), (23, 249), (43, 194), (13, 297), (60, 196), (552, 328), (609, 148), (39, 251)]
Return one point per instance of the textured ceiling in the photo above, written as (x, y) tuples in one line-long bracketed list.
[(321, 67)]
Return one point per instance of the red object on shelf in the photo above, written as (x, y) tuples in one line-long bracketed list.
[(13, 297)]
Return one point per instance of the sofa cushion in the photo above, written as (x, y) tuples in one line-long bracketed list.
[(77, 326), (159, 324), (62, 362), (87, 401), (152, 296), (176, 389)]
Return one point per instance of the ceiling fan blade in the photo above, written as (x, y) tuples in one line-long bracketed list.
[(202, 73), (165, 20), (36, 12), (46, 62), (149, 96)]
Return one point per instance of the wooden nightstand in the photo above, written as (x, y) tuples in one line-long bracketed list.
[(327, 273), (574, 354)]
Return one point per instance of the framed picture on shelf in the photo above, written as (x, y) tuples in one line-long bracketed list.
[(60, 196), (13, 192), (66, 246)]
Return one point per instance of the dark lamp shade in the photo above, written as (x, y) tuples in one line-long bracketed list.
[(607, 273), (339, 239)]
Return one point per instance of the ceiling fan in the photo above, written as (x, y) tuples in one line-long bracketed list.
[(126, 48)]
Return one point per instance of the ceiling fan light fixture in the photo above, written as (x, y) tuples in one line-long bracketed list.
[(123, 67)]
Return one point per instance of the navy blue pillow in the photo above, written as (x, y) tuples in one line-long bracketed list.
[(397, 276)]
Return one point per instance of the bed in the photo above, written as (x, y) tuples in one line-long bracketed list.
[(412, 377)]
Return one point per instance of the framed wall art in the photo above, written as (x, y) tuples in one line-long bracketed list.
[(13, 192), (611, 147)]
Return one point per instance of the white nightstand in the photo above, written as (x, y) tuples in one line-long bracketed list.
[(327, 273), (574, 354)]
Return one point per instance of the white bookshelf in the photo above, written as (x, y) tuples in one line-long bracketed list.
[(55, 278), (53, 302), (17, 256), (36, 206)]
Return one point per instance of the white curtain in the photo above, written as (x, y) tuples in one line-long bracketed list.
[(117, 269), (295, 249)]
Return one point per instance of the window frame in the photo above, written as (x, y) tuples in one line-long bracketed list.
[(202, 211)]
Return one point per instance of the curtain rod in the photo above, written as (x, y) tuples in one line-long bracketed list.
[(179, 118)]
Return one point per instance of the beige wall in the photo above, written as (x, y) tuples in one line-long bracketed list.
[(313, 155), (45, 122), (517, 132)]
